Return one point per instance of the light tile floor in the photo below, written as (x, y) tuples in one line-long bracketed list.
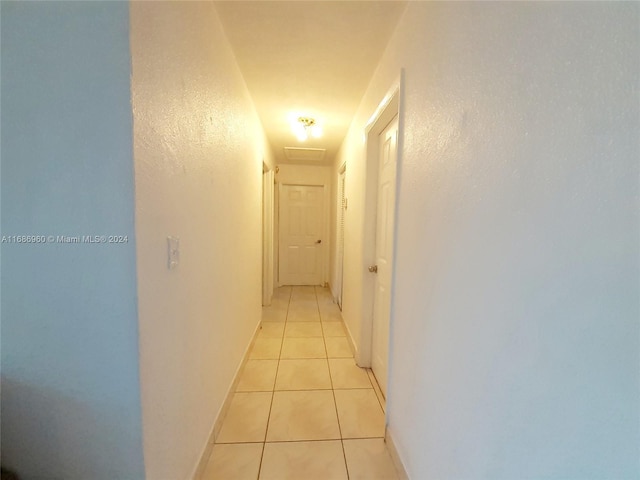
[(302, 409)]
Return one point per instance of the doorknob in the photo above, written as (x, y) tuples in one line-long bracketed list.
[(373, 268), (318, 241)]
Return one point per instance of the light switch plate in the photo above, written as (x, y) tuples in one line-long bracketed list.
[(173, 246)]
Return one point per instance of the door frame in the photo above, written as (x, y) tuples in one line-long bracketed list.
[(267, 234), (391, 105), (339, 237)]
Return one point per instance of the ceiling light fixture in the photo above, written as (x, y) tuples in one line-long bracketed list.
[(304, 127)]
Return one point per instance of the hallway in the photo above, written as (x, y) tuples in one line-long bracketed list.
[(157, 127), (302, 408)]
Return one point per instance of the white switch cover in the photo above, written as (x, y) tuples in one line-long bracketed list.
[(173, 245)]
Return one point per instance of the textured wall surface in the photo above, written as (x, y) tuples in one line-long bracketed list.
[(515, 334), (198, 148), (70, 387)]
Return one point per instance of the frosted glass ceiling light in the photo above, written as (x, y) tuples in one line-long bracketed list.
[(316, 131), (299, 131), (305, 126)]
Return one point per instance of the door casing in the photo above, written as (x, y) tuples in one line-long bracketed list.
[(340, 216), (389, 107), (267, 235)]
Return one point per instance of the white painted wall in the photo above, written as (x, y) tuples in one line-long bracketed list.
[(311, 175), (70, 386), (515, 332), (199, 149)]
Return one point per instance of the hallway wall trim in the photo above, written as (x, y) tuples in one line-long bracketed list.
[(224, 408), (388, 108), (395, 455)]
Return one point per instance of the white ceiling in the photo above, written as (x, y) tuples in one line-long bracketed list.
[(312, 58)]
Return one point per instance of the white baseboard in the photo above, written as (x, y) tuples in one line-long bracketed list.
[(351, 342), (393, 451), (217, 424)]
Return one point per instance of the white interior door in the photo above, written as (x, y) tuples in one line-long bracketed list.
[(388, 141), (301, 210)]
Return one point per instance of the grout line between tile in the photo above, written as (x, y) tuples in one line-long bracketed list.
[(306, 441), (262, 456), (303, 390), (377, 391), (273, 388), (344, 455), (236, 443), (333, 391), (335, 403)]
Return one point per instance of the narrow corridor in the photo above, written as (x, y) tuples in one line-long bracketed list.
[(302, 408)]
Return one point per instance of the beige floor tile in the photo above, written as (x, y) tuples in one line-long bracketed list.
[(303, 461), (303, 348), (303, 315), (280, 301), (274, 314), (322, 293), (271, 330), (369, 460), (338, 347), (282, 292), (333, 329), (304, 298), (302, 291), (279, 307), (304, 301), (325, 297), (258, 376), (266, 349), (310, 374), (330, 315), (246, 420), (307, 302), (303, 329), (325, 303), (306, 415), (359, 413), (376, 388), (346, 374), (238, 462), (329, 308)]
